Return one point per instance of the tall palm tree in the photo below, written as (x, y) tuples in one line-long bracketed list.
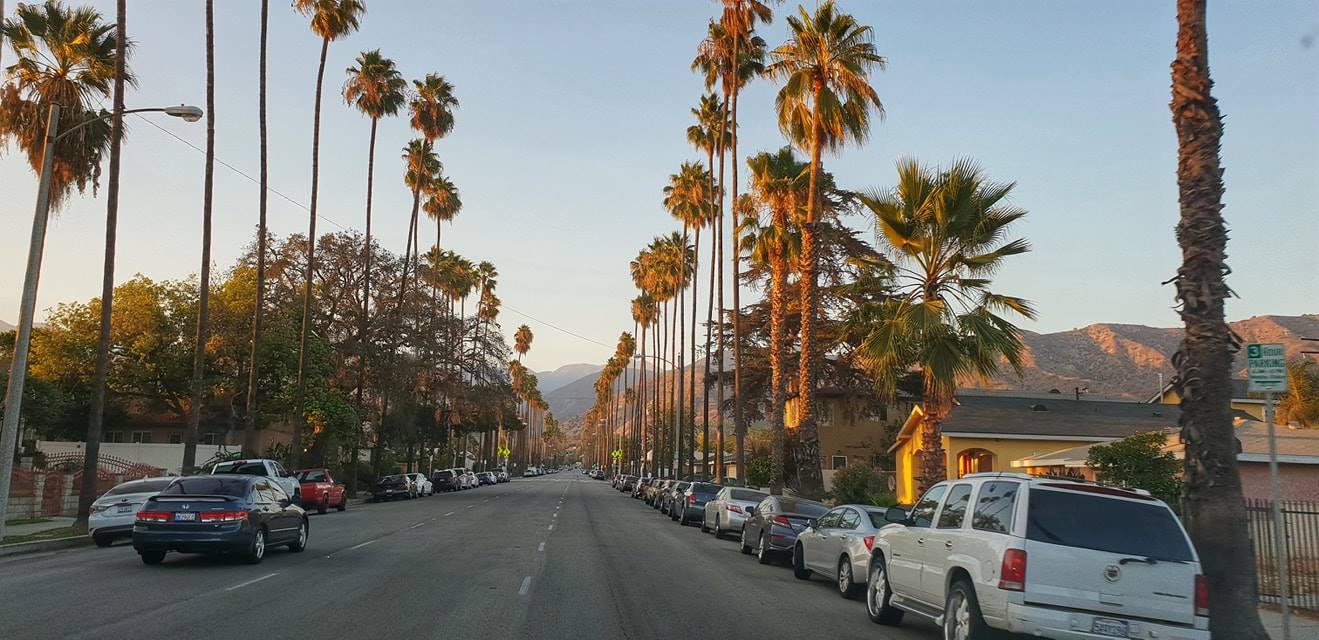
[(825, 102), (522, 341), (330, 20), (442, 204), (1216, 514), (91, 455), (705, 136), (250, 417), (204, 286), (687, 198)]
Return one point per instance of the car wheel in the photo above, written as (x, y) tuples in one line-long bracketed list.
[(324, 506), (704, 527), (103, 541), (762, 549), (152, 556), (878, 594), (257, 550), (300, 545), (746, 548), (799, 570), (343, 503), (961, 614), (847, 587), (718, 530)]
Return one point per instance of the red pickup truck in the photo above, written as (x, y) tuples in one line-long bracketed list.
[(319, 490)]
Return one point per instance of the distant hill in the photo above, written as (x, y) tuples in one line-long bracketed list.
[(551, 380)]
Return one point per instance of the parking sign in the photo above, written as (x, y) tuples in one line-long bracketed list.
[(1266, 365)]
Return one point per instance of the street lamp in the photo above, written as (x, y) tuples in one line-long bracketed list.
[(28, 303)]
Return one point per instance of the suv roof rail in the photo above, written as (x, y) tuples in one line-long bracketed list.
[(1055, 478)]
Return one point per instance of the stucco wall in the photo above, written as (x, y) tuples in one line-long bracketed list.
[(1296, 481)]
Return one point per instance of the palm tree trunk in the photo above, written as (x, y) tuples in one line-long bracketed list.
[(680, 305), (675, 379), (363, 339), (300, 404), (250, 418), (778, 317), (691, 387), (91, 455), (1215, 512), (717, 474), (739, 422), (808, 440), (638, 424), (659, 387), (204, 298), (719, 327)]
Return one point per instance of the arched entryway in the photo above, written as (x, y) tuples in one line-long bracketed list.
[(974, 461)]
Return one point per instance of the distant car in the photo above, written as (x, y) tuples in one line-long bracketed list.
[(392, 487), (838, 546), (670, 494), (318, 490), (422, 484), (772, 530), (224, 513), (502, 474), (729, 509), (653, 491), (446, 480), (263, 467), (113, 513), (626, 483), (689, 504), (639, 488), (487, 477), (531, 472)]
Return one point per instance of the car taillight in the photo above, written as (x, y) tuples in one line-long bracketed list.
[(153, 516), (691, 499), (783, 520), (1012, 575), (1201, 596), (732, 508), (223, 516), (870, 542)]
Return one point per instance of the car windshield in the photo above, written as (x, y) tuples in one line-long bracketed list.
[(208, 486), (746, 495), (313, 475), (140, 486), (1074, 519)]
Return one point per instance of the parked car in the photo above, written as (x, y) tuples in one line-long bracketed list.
[(502, 474), (625, 485), (729, 509), (317, 489), (228, 513), (640, 487), (773, 527), (487, 477), (263, 467), (531, 472), (447, 480), (1046, 557), (670, 493), (469, 479), (422, 484), (395, 486), (113, 513), (689, 504), (837, 546), (653, 491)]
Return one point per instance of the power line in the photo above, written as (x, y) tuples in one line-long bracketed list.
[(556, 327)]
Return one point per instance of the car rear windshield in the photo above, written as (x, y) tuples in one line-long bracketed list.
[(393, 480), (705, 488), (208, 485), (1115, 525), (313, 476), (444, 475), (803, 507), (140, 486), (749, 496), (250, 468), (681, 485)]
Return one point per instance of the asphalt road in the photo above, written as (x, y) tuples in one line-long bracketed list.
[(561, 556)]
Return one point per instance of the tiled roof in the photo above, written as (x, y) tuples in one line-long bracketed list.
[(1055, 416)]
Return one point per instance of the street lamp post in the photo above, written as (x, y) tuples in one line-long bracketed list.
[(28, 301)]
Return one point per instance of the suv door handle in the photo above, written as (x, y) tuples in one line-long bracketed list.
[(948, 544), (920, 540)]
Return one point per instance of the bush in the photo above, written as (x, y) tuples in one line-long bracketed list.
[(857, 484), (1138, 461), (760, 470)]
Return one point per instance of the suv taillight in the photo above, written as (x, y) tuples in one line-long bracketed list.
[(691, 498), (1012, 575), (1201, 596)]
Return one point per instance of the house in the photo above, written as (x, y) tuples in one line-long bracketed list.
[(854, 427), (987, 431), (1242, 399)]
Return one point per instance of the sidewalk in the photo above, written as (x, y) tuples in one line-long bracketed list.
[(1304, 627), (29, 529)]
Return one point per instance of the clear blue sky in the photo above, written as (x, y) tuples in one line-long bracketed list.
[(573, 115)]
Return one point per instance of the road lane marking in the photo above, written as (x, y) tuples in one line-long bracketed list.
[(470, 506), (551, 527), (419, 524), (541, 547), (556, 515), (252, 581), (450, 513), (359, 546), (486, 500), (526, 586)]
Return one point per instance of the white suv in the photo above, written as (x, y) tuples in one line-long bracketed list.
[(1051, 558)]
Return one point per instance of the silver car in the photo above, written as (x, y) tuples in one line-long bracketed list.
[(113, 514), (729, 510), (837, 545)]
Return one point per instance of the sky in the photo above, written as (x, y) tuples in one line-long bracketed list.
[(573, 114)]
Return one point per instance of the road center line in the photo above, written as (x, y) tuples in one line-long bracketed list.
[(450, 513), (252, 581), (419, 524), (359, 546), (470, 506), (541, 547), (526, 586), (551, 527)]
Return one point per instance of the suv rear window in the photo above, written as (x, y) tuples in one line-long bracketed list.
[(444, 475), (1115, 525), (251, 469)]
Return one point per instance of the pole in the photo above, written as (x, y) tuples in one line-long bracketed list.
[(1279, 530), (27, 308)]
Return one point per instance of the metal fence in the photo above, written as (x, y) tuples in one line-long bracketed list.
[(1301, 524)]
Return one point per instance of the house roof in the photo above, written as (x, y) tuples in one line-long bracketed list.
[(1240, 391), (1059, 416), (1295, 446)]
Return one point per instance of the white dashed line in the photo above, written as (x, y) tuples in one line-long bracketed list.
[(419, 524), (359, 546), (450, 513), (470, 506), (556, 515), (541, 547), (551, 527), (252, 581), (526, 586)]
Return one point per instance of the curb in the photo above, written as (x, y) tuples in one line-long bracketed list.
[(19, 548)]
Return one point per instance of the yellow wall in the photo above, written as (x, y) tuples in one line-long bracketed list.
[(1255, 409), (846, 430)]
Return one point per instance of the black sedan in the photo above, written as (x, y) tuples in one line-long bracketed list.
[(234, 514), (395, 486)]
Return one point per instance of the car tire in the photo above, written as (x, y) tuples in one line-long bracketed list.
[(704, 527), (152, 556), (343, 503), (961, 613), (799, 570), (746, 548), (103, 541), (718, 529), (847, 586), (300, 543), (324, 506), (256, 551), (762, 549), (878, 594)]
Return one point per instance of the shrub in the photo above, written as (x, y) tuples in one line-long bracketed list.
[(857, 484), (759, 471), (1138, 461)]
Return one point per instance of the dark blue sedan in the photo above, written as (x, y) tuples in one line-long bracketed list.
[(234, 514)]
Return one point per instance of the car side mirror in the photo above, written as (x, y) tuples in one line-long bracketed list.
[(285, 502), (810, 524), (895, 515), (751, 511)]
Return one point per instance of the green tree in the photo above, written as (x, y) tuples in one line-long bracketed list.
[(857, 484), (1301, 402), (825, 102), (1138, 461)]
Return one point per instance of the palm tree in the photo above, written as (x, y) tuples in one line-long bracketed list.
[(432, 106), (250, 417), (825, 102), (442, 204), (330, 20), (204, 286), (87, 492), (522, 341), (1215, 512), (687, 198), (705, 135)]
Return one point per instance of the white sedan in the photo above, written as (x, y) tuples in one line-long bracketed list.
[(112, 514), (422, 484)]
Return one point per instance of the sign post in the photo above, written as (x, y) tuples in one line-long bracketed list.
[(1266, 365)]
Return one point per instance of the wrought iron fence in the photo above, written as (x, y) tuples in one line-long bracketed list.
[(1301, 525)]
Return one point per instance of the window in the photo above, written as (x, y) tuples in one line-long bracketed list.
[(313, 475), (743, 494), (954, 508), (210, 438), (1115, 525), (113, 436), (922, 515), (828, 520), (141, 437), (277, 492), (838, 463), (249, 468), (176, 437), (140, 486), (850, 519), (995, 506)]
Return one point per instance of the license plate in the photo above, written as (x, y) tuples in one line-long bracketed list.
[(185, 516), (1109, 627), (124, 508)]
